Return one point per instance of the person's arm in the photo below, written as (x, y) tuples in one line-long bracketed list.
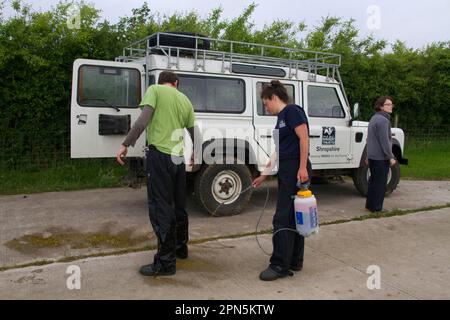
[(135, 132), (197, 140), (267, 171), (385, 139), (302, 133), (139, 126)]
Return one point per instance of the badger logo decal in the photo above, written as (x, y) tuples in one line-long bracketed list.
[(328, 136)]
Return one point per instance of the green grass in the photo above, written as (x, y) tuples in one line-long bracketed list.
[(68, 175), (428, 160)]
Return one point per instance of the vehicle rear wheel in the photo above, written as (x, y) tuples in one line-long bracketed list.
[(362, 174), (218, 188)]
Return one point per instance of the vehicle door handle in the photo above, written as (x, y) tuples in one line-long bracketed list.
[(265, 136), (314, 137), (82, 119)]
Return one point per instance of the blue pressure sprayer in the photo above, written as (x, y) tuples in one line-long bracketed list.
[(305, 210)]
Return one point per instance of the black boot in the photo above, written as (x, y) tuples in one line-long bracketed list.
[(182, 252), (153, 270), (273, 273)]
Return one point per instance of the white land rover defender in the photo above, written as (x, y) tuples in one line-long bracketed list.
[(224, 85)]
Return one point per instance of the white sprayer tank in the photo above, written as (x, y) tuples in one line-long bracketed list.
[(306, 219)]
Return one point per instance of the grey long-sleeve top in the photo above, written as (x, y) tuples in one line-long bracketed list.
[(379, 138), (139, 126)]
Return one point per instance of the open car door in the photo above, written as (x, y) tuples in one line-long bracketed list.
[(104, 105)]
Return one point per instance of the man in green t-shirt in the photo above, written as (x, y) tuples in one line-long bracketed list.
[(166, 112)]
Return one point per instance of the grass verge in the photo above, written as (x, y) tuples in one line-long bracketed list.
[(428, 160), (68, 175)]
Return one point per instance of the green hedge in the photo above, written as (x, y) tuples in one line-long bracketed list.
[(37, 50)]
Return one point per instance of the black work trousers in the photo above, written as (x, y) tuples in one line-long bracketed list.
[(166, 191), (379, 170), (288, 246)]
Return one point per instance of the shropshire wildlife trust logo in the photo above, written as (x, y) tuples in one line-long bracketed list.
[(73, 17), (328, 136)]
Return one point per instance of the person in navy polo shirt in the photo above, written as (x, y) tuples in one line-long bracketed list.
[(292, 155)]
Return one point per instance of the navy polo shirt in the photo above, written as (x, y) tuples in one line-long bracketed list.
[(286, 140)]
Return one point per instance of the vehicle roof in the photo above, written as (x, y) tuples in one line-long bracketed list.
[(161, 62)]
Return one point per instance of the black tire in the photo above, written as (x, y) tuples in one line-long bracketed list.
[(361, 182), (232, 179), (395, 179)]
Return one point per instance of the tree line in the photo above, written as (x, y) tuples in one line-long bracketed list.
[(37, 50)]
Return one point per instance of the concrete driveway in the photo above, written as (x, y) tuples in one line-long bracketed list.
[(409, 255), (52, 226)]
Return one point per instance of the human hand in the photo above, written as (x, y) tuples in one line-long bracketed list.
[(302, 175), (258, 181), (192, 160), (122, 152), (393, 162)]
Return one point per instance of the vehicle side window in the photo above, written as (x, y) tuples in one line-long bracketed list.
[(211, 94), (324, 102), (100, 86), (151, 80), (259, 105)]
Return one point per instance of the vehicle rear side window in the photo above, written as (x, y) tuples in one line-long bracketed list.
[(211, 94), (100, 86), (324, 102), (259, 105)]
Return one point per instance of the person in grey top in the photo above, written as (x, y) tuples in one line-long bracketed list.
[(379, 152)]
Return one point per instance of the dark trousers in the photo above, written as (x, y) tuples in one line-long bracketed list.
[(288, 246), (379, 170), (166, 191)]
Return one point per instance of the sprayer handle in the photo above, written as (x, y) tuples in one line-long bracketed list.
[(304, 185)]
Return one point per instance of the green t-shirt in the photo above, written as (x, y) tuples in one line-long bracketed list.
[(173, 112)]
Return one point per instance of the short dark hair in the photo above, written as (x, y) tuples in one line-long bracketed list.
[(275, 88), (381, 101), (167, 77)]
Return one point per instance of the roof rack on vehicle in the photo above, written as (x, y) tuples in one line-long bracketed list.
[(175, 45)]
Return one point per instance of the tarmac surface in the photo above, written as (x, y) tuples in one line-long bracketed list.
[(411, 251)]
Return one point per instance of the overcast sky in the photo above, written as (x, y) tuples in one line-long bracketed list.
[(415, 22)]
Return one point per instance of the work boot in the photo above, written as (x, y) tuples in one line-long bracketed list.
[(182, 252), (270, 274), (152, 270)]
